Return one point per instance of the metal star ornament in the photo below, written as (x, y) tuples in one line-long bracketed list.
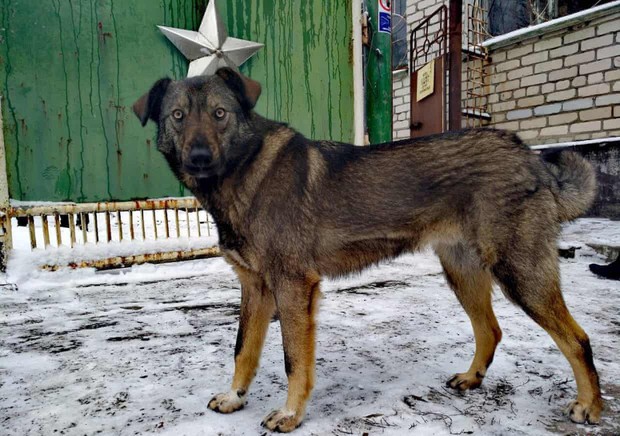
[(210, 48)]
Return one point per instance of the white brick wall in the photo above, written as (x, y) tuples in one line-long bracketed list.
[(557, 87), (579, 78), (400, 86)]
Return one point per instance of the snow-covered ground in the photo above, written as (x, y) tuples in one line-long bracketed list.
[(141, 351)]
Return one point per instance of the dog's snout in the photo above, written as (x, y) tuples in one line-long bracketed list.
[(200, 157)]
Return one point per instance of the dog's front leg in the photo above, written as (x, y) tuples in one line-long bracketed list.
[(297, 302), (257, 309)]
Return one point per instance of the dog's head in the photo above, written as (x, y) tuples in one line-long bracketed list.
[(202, 121)]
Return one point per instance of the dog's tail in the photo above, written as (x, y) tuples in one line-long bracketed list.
[(576, 182)]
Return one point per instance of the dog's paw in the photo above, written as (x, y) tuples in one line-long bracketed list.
[(582, 413), (282, 420), (227, 402), (465, 381)]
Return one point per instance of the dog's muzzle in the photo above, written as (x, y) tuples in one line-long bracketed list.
[(199, 163)]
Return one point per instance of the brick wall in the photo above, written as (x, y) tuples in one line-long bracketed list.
[(559, 86), (556, 86), (401, 94)]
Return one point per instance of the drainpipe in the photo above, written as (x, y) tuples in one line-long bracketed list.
[(358, 75), (455, 29)]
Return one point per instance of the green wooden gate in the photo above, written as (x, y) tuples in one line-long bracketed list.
[(71, 69), (306, 65)]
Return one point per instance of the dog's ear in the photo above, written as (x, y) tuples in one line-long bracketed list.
[(246, 89), (149, 105)]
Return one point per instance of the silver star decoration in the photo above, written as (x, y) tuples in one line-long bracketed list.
[(210, 48)]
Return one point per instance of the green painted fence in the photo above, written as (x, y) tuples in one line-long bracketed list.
[(71, 69), (306, 64)]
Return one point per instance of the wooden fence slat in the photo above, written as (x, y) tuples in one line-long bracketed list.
[(119, 222), (72, 229), (154, 224), (166, 225), (46, 231), (84, 219), (96, 221), (198, 222), (132, 236), (33, 236), (108, 226), (142, 224), (57, 225)]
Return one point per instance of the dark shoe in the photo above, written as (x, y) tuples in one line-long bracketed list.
[(611, 271)]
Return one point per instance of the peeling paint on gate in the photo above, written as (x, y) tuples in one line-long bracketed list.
[(305, 67), (71, 69)]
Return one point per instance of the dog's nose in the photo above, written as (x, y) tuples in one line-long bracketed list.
[(200, 157)]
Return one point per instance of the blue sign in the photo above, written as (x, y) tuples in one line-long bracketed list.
[(385, 22)]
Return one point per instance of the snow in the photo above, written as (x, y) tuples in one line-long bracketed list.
[(23, 264), (599, 141), (142, 351)]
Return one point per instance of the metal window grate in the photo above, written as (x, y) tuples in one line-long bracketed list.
[(429, 39), (475, 70)]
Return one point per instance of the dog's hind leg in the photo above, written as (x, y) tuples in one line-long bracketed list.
[(297, 302), (533, 283), (257, 309), (472, 285)]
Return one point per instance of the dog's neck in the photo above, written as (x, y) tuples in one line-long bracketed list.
[(228, 197)]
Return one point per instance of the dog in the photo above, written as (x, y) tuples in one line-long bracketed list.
[(290, 210)]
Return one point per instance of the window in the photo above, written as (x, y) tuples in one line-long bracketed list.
[(399, 34), (508, 15)]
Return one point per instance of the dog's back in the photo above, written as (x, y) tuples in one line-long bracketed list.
[(474, 186)]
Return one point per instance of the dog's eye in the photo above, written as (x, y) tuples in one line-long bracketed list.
[(177, 114), (219, 113)]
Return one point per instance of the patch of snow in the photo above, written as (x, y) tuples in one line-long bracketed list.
[(144, 351), (569, 144), (23, 266)]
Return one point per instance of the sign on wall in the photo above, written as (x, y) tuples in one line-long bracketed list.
[(385, 16), (426, 81)]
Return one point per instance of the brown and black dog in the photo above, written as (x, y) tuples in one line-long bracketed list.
[(290, 210)]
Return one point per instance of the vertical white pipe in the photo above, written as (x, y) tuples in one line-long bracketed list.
[(358, 75)]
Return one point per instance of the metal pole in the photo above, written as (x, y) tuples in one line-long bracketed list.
[(358, 74), (456, 34), (379, 72)]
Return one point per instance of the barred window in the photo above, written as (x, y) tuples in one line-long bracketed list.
[(399, 34), (508, 15)]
